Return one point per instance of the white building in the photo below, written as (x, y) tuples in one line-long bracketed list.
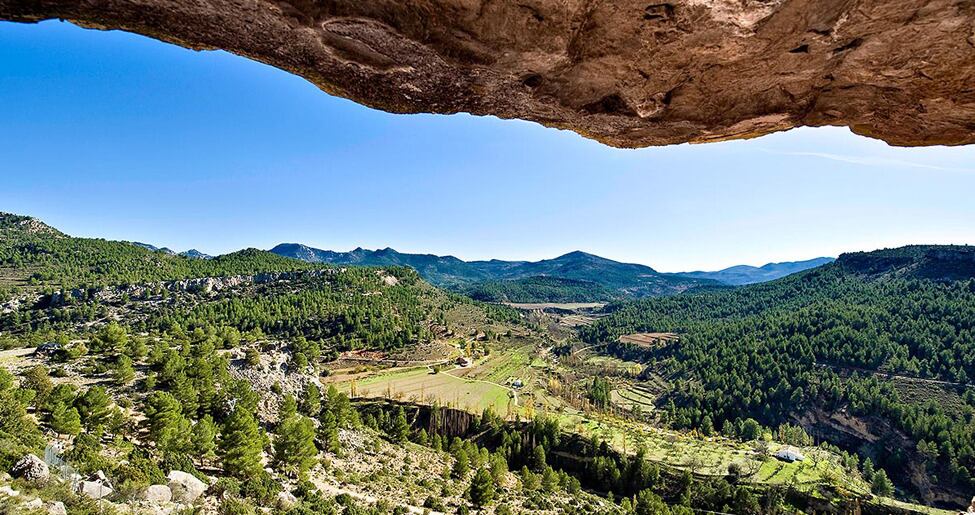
[(790, 454)]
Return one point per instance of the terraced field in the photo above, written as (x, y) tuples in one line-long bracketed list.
[(633, 397)]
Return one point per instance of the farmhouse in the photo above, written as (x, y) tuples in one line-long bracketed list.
[(790, 454)]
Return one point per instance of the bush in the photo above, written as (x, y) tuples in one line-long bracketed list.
[(433, 503), (234, 506), (262, 488)]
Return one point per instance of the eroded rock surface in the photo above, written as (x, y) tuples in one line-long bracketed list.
[(623, 72)]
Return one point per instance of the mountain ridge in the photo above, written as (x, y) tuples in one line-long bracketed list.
[(495, 278), (739, 275), (626, 279)]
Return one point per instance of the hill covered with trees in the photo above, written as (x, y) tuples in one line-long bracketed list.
[(831, 340), (34, 254)]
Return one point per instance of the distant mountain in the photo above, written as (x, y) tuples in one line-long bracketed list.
[(195, 254), (610, 278), (745, 274), (153, 248)]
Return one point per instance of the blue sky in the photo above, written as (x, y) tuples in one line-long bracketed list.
[(114, 135)]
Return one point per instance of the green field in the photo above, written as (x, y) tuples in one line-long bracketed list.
[(420, 386)]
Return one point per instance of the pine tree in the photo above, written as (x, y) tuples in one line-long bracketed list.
[(461, 464), (94, 406), (203, 439), (240, 445), (538, 458), (288, 409), (399, 429), (65, 420), (294, 447), (482, 488), (112, 337), (124, 373), (311, 400), (328, 433), (167, 426), (499, 467), (881, 484)]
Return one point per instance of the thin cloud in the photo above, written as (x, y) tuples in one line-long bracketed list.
[(869, 161)]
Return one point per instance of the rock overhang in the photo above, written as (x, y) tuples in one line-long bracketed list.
[(628, 74)]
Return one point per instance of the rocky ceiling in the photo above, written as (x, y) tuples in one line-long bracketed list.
[(624, 72)]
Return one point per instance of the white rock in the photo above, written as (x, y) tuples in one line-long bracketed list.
[(31, 468), (57, 508), (9, 492), (33, 504), (286, 501), (186, 488), (94, 489), (157, 493)]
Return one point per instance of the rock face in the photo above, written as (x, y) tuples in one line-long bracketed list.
[(94, 489), (158, 493), (625, 73), (31, 468), (185, 487)]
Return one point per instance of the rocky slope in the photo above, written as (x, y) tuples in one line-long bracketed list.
[(625, 73)]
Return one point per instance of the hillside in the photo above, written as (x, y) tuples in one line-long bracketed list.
[(33, 254), (541, 288), (829, 348), (611, 278), (745, 274)]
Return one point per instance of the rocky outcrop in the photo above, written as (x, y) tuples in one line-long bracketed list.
[(94, 489), (626, 73), (157, 494), (31, 468), (197, 285), (185, 487)]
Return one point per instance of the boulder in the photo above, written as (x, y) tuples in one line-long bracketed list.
[(185, 487), (33, 504), (57, 508), (286, 501), (31, 468), (94, 489), (157, 494)]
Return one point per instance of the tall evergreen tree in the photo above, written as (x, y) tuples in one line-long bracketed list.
[(482, 488), (240, 445), (294, 447)]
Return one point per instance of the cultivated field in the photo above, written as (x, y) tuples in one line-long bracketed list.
[(648, 339)]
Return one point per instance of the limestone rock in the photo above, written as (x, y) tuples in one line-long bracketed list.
[(157, 494), (33, 504), (185, 487), (94, 489), (625, 73), (31, 468), (57, 508), (286, 501)]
